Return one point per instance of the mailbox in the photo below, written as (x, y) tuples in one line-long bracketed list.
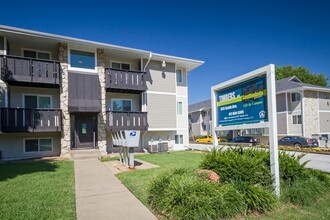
[(132, 138)]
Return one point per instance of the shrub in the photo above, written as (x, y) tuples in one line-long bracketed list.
[(290, 167), (256, 198), (239, 165), (302, 191), (184, 195)]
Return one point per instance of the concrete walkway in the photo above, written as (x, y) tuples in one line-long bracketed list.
[(100, 195)]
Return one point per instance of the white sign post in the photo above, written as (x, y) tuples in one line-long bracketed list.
[(246, 102)]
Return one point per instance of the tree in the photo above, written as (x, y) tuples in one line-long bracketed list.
[(302, 73)]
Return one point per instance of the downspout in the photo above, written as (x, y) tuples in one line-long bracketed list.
[(144, 108), (150, 56), (145, 150)]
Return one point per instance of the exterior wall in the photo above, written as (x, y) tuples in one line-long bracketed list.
[(324, 101), (182, 120), (16, 49), (195, 117), (155, 137), (196, 129), (12, 145), (311, 116), (294, 129), (324, 122), (136, 100), (161, 110), (293, 106), (17, 93), (281, 123), (159, 80), (108, 58), (280, 103)]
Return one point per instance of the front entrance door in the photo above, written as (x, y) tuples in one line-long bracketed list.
[(85, 130)]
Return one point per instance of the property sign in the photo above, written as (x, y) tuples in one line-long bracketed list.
[(246, 102), (243, 103)]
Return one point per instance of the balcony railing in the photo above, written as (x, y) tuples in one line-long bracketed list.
[(125, 81), (30, 120), (28, 70), (118, 121)]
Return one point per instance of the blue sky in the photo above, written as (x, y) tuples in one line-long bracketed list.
[(232, 37)]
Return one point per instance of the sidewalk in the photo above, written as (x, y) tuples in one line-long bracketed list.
[(100, 195)]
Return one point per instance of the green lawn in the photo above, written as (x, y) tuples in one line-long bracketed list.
[(37, 190), (138, 181)]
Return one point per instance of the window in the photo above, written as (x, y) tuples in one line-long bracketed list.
[(179, 139), (121, 105), (179, 77), (121, 66), (179, 110), (296, 119), (295, 97), (38, 145), (36, 54), (82, 59), (34, 101)]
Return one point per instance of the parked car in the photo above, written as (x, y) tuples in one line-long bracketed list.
[(244, 139), (205, 139), (298, 141)]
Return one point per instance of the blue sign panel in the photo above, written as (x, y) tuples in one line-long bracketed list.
[(243, 103)]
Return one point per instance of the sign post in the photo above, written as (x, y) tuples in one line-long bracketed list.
[(246, 102)]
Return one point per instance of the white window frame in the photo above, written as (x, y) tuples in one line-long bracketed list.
[(33, 152), (116, 99), (179, 135), (294, 94), (37, 51), (177, 108), (82, 69), (297, 119), (26, 94), (176, 76), (120, 62)]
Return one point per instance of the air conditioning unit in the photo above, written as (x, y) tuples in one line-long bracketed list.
[(163, 147), (153, 148)]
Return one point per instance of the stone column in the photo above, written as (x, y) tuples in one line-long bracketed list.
[(102, 137), (64, 101), (311, 109)]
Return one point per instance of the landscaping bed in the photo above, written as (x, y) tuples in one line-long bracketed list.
[(37, 190), (177, 190)]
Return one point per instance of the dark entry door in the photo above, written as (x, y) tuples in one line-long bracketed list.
[(86, 130)]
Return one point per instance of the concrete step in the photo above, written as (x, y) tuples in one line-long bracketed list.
[(85, 153)]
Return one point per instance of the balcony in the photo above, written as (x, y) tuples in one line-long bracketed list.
[(118, 121), (30, 72), (30, 120), (125, 81)]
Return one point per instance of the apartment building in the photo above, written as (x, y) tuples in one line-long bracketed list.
[(302, 109), (60, 93)]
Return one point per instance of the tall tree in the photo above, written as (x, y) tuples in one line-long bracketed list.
[(302, 73)]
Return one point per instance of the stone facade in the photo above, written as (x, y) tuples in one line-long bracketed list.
[(64, 97), (311, 116), (102, 142)]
